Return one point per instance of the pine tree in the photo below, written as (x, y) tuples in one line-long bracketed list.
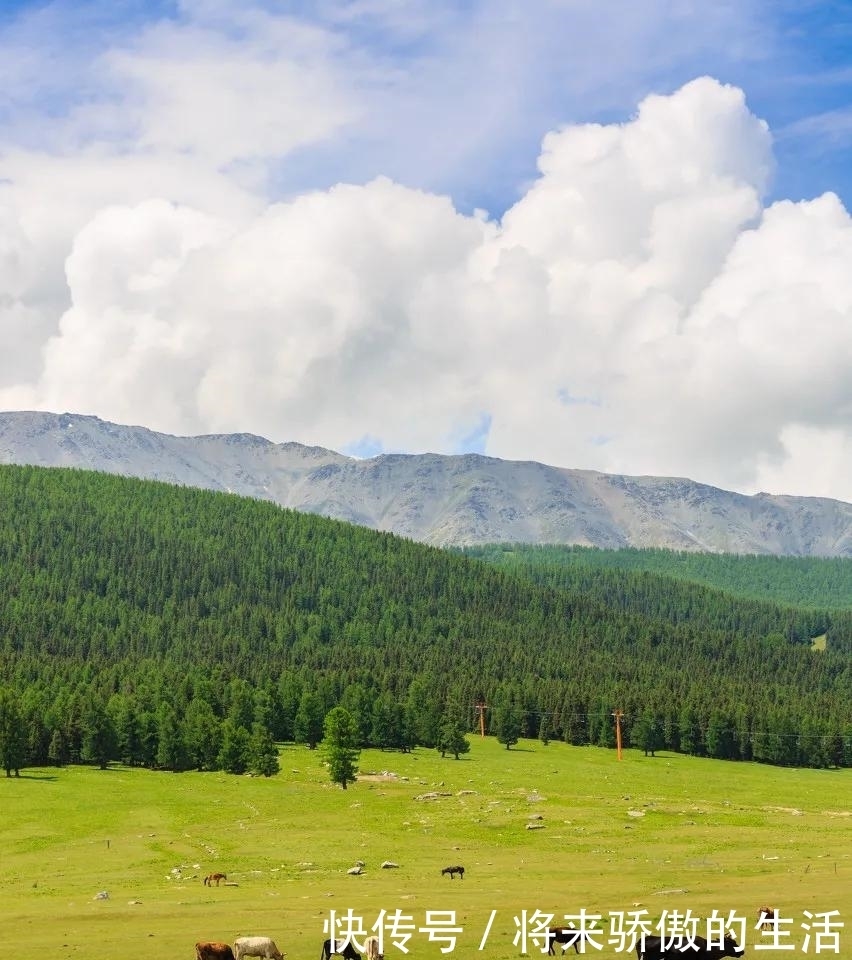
[(262, 752), (452, 739), (507, 722), (340, 746), (202, 734), (647, 733), (308, 725), (12, 742), (234, 755), (100, 743), (57, 752), (171, 747)]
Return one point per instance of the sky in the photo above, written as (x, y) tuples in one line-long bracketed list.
[(599, 234)]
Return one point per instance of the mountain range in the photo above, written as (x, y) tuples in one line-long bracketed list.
[(444, 500)]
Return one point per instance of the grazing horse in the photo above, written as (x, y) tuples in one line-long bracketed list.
[(452, 871), (766, 918), (567, 936), (212, 878)]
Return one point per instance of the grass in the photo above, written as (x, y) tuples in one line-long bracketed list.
[(667, 833)]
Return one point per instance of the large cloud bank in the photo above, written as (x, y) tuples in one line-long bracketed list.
[(639, 309)]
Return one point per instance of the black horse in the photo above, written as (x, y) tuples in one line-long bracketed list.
[(452, 871)]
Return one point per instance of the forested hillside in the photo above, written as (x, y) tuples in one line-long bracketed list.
[(724, 592), (806, 582), (180, 628)]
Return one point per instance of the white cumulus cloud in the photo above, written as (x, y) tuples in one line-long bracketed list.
[(639, 309)]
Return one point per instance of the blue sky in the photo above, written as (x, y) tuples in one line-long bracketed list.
[(478, 83), (400, 225)]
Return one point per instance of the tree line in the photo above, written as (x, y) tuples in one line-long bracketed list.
[(183, 629)]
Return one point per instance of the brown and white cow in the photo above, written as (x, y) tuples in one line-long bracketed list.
[(213, 950)]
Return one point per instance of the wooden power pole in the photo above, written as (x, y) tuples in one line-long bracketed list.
[(481, 707), (618, 714)]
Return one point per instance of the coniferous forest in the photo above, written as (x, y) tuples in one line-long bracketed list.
[(181, 629), (805, 582)]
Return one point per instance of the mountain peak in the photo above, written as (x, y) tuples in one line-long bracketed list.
[(442, 499)]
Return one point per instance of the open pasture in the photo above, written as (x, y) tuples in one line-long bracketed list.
[(555, 829)]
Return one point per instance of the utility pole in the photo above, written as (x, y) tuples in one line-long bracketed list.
[(480, 708), (618, 714)]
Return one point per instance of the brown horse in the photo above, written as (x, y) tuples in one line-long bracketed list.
[(766, 917), (212, 878)]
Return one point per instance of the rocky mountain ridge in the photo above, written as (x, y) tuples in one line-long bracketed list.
[(443, 500)]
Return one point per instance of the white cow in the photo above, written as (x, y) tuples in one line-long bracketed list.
[(256, 947), (371, 948)]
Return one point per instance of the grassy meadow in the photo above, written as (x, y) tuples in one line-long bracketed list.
[(665, 833)]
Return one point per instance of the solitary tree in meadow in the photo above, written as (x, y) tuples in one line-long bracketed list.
[(508, 724), (340, 746), (452, 739)]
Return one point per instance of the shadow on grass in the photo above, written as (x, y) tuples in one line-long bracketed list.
[(35, 776)]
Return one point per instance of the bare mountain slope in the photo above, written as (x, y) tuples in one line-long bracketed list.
[(444, 500)]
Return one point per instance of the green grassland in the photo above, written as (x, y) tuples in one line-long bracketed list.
[(665, 833)]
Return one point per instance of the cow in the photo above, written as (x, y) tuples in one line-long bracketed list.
[(256, 947), (329, 948), (766, 918), (212, 878), (568, 937), (213, 950), (652, 948), (452, 871), (371, 948)]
